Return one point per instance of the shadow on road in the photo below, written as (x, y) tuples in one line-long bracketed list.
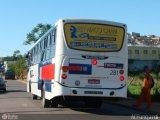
[(106, 109), (8, 91), (11, 91)]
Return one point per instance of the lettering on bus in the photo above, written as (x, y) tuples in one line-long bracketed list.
[(94, 37), (112, 65), (98, 29)]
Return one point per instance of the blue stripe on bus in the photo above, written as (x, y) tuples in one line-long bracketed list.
[(47, 84), (39, 84), (45, 63), (86, 69)]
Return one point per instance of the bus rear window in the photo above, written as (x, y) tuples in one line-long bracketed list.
[(94, 37)]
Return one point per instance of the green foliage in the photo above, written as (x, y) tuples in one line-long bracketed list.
[(19, 67), (134, 89), (12, 67), (16, 55), (11, 58), (36, 33)]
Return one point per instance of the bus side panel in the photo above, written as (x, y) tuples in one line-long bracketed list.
[(32, 83)]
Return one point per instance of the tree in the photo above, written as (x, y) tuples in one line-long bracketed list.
[(17, 54), (20, 68), (36, 33)]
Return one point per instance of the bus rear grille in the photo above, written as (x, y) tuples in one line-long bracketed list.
[(93, 92)]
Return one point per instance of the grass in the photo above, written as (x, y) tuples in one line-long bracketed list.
[(135, 85)]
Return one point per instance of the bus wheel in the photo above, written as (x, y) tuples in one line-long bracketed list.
[(93, 103), (54, 103), (34, 97), (45, 103), (29, 85)]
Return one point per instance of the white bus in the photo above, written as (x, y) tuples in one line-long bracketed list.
[(82, 59)]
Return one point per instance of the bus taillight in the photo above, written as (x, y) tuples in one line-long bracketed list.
[(121, 71), (121, 78), (65, 68), (94, 62), (64, 76)]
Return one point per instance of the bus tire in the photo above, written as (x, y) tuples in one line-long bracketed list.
[(29, 86), (34, 97), (54, 103), (93, 103), (45, 103)]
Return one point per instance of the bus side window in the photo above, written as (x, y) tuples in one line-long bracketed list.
[(38, 53), (28, 57), (47, 47), (31, 57), (43, 55), (50, 39), (45, 42), (36, 48), (53, 43)]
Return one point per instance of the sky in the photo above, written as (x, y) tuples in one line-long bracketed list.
[(19, 17)]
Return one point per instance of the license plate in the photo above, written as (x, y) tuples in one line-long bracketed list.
[(93, 81)]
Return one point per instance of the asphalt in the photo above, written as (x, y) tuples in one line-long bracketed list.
[(129, 103)]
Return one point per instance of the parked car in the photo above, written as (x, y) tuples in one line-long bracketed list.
[(9, 74), (2, 85)]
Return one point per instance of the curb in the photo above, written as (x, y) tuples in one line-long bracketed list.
[(138, 109)]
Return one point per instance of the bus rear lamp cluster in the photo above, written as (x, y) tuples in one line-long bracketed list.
[(64, 76), (121, 71), (121, 78), (94, 62), (65, 68)]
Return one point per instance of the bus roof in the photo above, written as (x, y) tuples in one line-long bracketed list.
[(78, 20)]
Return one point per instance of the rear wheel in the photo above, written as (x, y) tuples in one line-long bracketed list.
[(93, 102), (54, 103), (34, 97), (29, 85), (45, 103)]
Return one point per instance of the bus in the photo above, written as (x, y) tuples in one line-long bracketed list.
[(79, 59)]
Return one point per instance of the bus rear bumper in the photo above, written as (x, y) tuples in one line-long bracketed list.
[(91, 92)]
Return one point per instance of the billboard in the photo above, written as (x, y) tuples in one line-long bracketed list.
[(94, 37)]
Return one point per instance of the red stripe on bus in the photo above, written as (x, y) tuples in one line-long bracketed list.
[(48, 72)]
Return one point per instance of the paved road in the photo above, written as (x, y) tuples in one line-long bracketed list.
[(17, 103)]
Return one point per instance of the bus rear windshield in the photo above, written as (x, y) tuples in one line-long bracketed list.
[(94, 37)]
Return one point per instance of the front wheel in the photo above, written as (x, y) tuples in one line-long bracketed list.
[(54, 103), (34, 97)]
